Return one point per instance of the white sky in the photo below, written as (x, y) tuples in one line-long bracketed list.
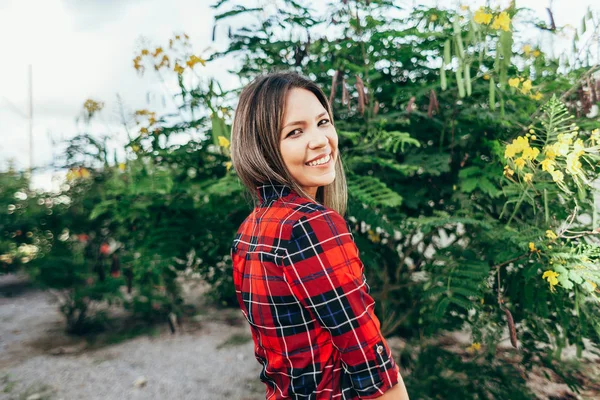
[(83, 49)]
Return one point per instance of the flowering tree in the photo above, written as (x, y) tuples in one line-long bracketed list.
[(471, 161), (471, 186)]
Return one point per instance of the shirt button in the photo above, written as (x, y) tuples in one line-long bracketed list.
[(380, 349)]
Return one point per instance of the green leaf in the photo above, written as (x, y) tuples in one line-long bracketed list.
[(391, 140), (237, 10), (575, 277), (102, 208), (564, 281), (372, 191)]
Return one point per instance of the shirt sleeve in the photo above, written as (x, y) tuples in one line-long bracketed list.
[(324, 271)]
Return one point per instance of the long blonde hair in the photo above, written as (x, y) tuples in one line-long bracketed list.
[(255, 138)]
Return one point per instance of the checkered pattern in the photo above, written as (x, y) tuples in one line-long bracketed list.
[(300, 284)]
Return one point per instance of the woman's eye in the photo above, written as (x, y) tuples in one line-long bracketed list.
[(293, 132), (326, 121)]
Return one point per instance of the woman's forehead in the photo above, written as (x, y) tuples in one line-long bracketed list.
[(302, 104)]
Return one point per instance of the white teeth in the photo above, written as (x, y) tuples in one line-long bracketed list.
[(320, 161)]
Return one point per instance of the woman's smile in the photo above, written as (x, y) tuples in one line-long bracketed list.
[(322, 162)]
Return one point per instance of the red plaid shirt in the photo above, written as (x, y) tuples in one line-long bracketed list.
[(300, 284)]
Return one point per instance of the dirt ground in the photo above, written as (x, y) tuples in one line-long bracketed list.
[(209, 357)]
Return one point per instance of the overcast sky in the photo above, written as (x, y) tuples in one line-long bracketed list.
[(83, 49)]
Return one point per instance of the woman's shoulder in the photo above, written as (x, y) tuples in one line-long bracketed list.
[(319, 216)]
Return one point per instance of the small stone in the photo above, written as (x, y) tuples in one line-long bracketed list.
[(140, 382)]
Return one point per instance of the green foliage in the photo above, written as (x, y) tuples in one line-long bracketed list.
[(425, 104)]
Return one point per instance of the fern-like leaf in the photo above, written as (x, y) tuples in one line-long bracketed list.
[(372, 191)]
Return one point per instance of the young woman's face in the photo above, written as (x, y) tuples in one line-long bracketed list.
[(307, 135)]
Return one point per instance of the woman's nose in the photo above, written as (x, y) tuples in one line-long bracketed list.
[(319, 140)]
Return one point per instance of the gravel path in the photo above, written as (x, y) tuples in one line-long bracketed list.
[(212, 358)]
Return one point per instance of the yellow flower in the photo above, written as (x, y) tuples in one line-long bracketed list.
[(538, 96), (481, 17), (373, 237), (195, 60), (527, 177), (157, 51), (527, 49), (474, 347), (92, 106), (514, 82), (526, 87), (502, 21), (520, 163), (223, 142), (573, 164), (486, 77), (530, 153), (84, 173), (228, 165), (71, 174), (552, 278), (137, 64), (178, 68), (579, 147), (550, 151), (135, 148), (518, 145), (595, 136), (565, 138), (562, 148), (122, 166), (536, 53), (557, 176), (548, 165), (532, 247), (508, 172), (143, 131), (551, 235), (433, 18), (145, 52)]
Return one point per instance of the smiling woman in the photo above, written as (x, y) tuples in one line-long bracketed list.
[(309, 142), (282, 122), (297, 272)]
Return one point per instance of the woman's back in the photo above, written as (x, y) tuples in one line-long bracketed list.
[(300, 285)]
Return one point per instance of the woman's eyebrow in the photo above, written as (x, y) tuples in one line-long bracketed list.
[(301, 122)]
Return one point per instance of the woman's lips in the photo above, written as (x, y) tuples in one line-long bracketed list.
[(324, 164)]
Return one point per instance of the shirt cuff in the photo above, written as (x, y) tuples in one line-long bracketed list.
[(379, 376)]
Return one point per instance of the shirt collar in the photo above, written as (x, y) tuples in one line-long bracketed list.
[(272, 191)]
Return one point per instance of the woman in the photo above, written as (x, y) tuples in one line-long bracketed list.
[(297, 273)]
